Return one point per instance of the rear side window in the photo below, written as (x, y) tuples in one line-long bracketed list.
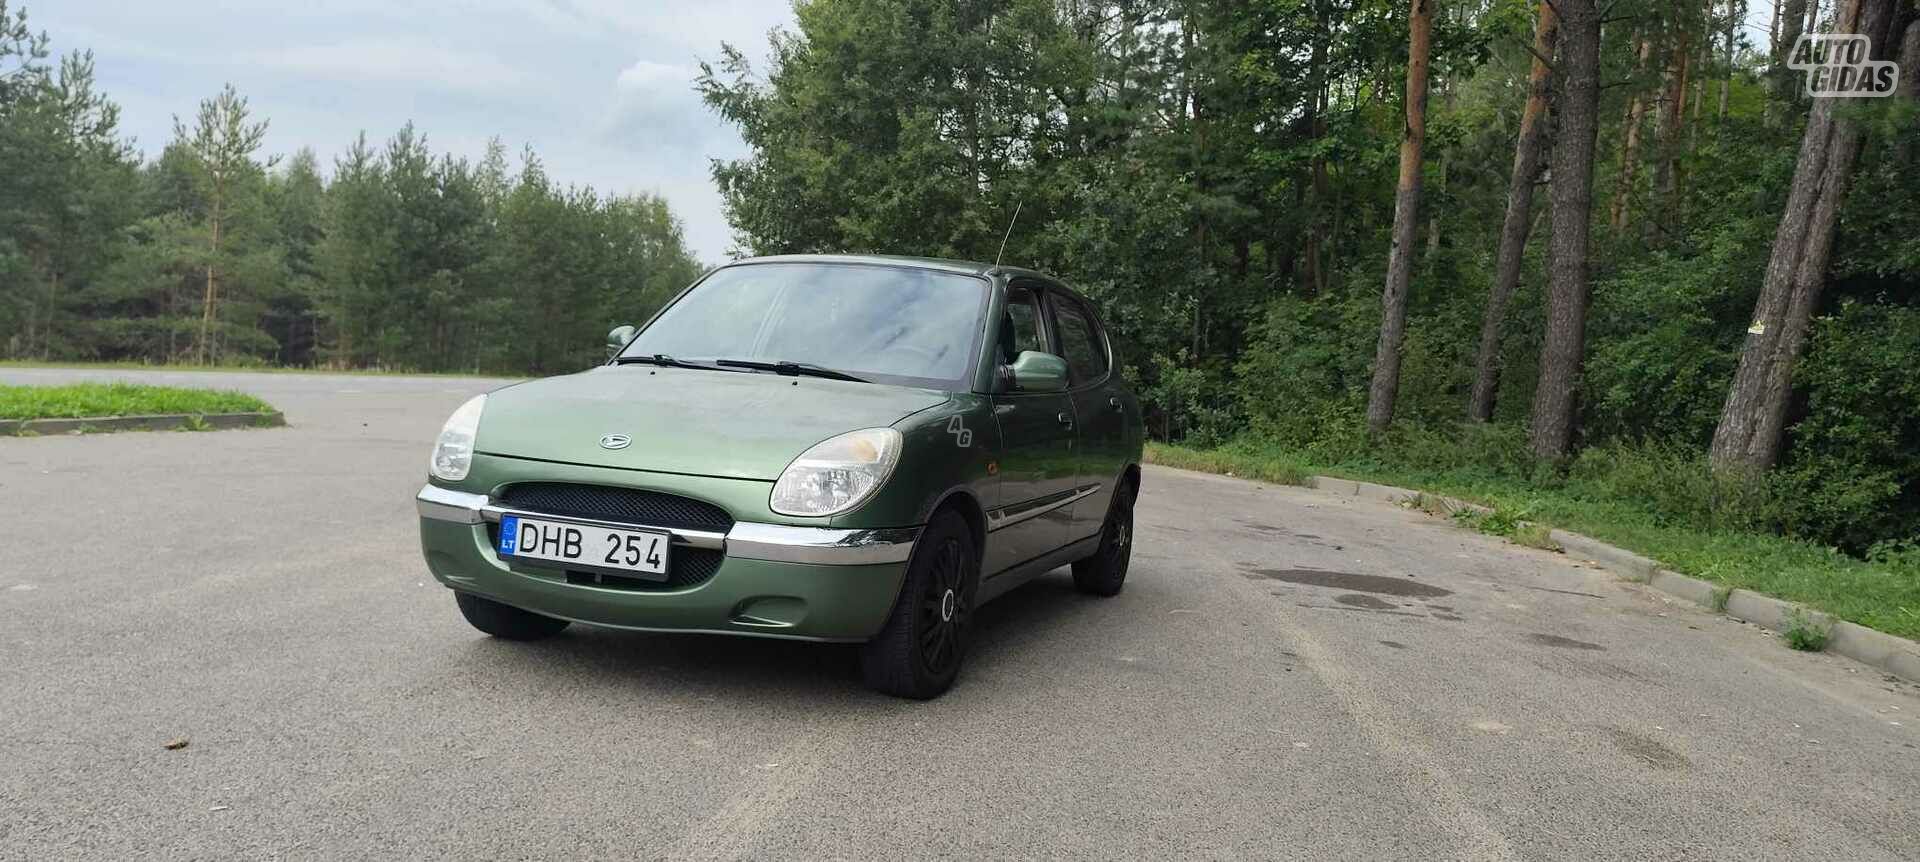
[(1020, 329), (1080, 341)]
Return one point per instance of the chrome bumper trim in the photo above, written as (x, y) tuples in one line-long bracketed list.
[(442, 504), (820, 546)]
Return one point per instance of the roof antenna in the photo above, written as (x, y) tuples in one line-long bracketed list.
[(1010, 222)]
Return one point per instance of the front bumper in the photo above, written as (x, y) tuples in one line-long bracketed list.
[(775, 580)]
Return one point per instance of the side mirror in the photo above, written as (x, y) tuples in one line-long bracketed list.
[(1033, 371), (618, 338)]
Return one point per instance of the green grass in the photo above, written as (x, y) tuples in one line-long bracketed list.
[(249, 369), (97, 400), (1883, 594), (1805, 633)]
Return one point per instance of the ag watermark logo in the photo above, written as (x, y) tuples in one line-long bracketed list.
[(1841, 65)]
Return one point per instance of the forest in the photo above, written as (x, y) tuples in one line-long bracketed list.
[(1546, 241), (1554, 241), (215, 252)]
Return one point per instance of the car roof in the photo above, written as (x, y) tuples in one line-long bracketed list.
[(965, 267)]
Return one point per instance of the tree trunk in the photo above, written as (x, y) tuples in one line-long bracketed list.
[(1813, 17), (1513, 229), (1316, 230), (1630, 151), (1406, 221), (1571, 196), (1753, 419), (46, 323), (1673, 116), (1726, 83), (1793, 14), (206, 303), (1909, 87)]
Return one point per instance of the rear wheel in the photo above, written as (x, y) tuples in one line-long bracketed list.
[(1104, 573), (917, 653), (506, 621)]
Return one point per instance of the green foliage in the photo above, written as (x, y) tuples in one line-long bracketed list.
[(1534, 535), (92, 400), (1855, 461), (213, 254), (1278, 470), (1678, 487), (1804, 632), (1495, 522)]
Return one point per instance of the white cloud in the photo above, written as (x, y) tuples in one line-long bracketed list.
[(394, 60), (647, 75)]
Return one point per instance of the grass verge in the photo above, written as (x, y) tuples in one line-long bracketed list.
[(242, 369), (1882, 594), (99, 400)]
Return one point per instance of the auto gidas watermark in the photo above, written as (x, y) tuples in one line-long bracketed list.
[(1841, 65)]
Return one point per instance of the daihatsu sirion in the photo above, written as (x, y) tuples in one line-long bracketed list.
[(823, 448)]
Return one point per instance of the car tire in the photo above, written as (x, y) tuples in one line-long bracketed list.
[(1105, 573), (506, 621), (918, 652)]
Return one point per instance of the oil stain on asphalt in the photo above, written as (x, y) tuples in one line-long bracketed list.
[(1647, 750), (1565, 643), (1355, 583)]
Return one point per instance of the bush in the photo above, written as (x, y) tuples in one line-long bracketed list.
[(1854, 458), (1489, 449), (1677, 486)]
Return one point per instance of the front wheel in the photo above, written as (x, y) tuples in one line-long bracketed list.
[(1104, 573), (506, 621), (917, 653)]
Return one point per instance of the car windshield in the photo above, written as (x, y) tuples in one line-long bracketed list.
[(891, 324)]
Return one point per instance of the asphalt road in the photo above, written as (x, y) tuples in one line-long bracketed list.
[(1288, 674)]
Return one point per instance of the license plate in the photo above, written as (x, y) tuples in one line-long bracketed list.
[(583, 546)]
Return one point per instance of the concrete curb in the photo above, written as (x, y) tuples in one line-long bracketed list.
[(158, 422), (1895, 655), (1889, 653)]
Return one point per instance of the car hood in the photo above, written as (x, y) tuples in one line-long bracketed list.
[(739, 425)]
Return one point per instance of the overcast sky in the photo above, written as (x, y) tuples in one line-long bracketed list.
[(602, 89)]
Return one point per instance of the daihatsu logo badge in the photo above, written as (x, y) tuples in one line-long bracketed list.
[(615, 441)]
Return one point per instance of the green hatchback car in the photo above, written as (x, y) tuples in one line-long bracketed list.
[(823, 448)]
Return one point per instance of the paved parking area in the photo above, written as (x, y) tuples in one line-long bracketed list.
[(1288, 675)]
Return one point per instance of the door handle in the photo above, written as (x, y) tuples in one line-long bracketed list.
[(1065, 419)]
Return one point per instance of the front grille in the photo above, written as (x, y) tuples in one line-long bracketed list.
[(620, 505), (686, 567)]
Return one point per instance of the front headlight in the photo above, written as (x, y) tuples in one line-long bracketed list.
[(453, 452), (837, 474)]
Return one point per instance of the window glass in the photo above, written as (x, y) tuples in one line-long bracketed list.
[(1020, 329), (890, 324), (1079, 341)]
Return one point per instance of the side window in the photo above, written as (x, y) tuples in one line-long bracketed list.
[(1080, 340), (1020, 328)]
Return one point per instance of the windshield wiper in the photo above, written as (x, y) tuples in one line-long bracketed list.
[(791, 369), (663, 359)]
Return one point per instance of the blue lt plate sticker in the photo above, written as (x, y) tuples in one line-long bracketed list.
[(509, 529)]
